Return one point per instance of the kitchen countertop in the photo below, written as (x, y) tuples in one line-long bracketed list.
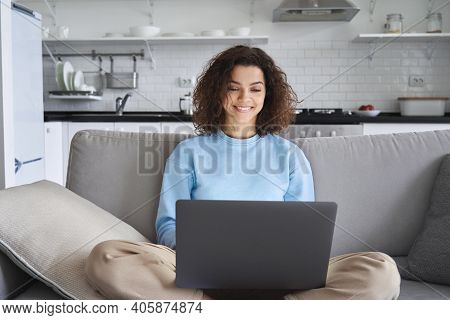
[(179, 117)]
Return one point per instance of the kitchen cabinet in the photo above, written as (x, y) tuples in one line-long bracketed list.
[(147, 127), (381, 128), (177, 127), (53, 134)]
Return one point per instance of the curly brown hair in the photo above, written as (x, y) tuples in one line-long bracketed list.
[(279, 103)]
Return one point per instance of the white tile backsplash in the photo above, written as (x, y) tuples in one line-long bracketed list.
[(308, 65)]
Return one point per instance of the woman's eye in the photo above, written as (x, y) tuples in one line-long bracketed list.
[(237, 89)]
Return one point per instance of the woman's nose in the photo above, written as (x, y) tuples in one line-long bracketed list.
[(243, 94)]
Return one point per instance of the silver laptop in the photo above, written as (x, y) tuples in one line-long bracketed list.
[(253, 244)]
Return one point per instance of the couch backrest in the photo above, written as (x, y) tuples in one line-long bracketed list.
[(381, 183), (121, 172)]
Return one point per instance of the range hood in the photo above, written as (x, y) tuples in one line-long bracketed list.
[(315, 10)]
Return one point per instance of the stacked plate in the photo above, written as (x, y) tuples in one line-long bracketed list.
[(70, 80)]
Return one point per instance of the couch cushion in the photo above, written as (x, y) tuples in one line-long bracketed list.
[(429, 258), (381, 183), (414, 290), (49, 231), (121, 172)]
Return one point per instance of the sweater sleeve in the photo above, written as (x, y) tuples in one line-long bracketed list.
[(301, 184), (178, 181)]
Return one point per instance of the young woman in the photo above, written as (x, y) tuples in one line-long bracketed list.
[(242, 102)]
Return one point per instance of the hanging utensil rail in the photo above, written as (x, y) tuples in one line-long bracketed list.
[(94, 54)]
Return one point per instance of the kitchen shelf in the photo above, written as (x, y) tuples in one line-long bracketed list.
[(384, 37), (163, 40), (75, 97)]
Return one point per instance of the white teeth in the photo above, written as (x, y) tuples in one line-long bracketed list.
[(243, 109)]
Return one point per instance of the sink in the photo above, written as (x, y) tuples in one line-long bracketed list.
[(152, 113), (93, 114)]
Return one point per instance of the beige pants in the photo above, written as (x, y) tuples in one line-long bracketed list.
[(131, 270)]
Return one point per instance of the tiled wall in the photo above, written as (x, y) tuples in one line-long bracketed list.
[(308, 65)]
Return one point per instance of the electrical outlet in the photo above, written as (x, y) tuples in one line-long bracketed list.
[(186, 82), (416, 81)]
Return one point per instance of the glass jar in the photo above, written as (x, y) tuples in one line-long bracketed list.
[(434, 24), (394, 23)]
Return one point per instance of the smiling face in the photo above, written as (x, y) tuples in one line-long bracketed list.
[(245, 97)]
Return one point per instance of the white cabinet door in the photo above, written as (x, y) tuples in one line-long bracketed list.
[(177, 127), (74, 127), (147, 127), (381, 128), (54, 152)]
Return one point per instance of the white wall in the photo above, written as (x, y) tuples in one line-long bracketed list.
[(310, 53), (92, 18)]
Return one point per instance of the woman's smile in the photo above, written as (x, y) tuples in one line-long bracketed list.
[(243, 109)]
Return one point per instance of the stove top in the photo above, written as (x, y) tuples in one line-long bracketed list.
[(321, 111)]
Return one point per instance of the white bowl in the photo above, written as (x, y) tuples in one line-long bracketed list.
[(213, 33), (367, 113), (240, 32), (144, 31)]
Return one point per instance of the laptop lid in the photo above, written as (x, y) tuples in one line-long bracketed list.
[(224, 244)]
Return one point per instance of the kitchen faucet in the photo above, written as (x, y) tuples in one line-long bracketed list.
[(120, 103)]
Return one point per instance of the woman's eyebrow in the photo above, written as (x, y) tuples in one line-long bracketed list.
[(257, 82)]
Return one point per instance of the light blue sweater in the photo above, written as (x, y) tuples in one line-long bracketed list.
[(219, 167)]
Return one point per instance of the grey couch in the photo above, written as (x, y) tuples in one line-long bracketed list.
[(381, 183)]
